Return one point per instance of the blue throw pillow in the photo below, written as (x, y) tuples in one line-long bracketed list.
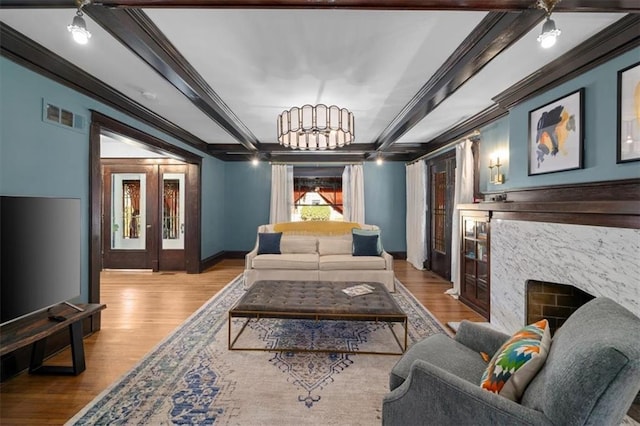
[(365, 245), (359, 231), (269, 242)]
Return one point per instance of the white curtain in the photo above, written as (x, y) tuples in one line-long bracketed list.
[(463, 195), (353, 193), (281, 193), (417, 214)]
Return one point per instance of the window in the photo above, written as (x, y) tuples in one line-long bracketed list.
[(317, 197)]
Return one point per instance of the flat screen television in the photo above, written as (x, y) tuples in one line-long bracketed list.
[(39, 254)]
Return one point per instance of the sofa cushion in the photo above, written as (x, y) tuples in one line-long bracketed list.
[(269, 242), (518, 361), (328, 246), (357, 231), (342, 262), (297, 244), (365, 245), (308, 261)]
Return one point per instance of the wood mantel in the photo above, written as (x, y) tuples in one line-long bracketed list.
[(612, 203)]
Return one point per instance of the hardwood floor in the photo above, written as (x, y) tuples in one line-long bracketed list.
[(142, 309)]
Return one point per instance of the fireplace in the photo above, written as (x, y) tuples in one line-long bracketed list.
[(553, 301)]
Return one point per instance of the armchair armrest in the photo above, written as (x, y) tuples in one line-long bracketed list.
[(431, 395), (480, 338)]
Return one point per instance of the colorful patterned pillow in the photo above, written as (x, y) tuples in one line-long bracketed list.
[(518, 361)]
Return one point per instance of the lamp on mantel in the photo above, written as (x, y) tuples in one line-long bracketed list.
[(549, 31), (78, 27), (316, 127)]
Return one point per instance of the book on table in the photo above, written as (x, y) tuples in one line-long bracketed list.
[(358, 290)]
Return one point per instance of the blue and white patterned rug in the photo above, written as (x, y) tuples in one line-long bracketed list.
[(192, 378)]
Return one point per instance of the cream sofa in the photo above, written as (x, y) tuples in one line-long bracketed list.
[(319, 251)]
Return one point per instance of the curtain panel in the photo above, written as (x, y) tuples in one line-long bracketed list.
[(281, 193), (416, 231), (463, 195), (353, 193)]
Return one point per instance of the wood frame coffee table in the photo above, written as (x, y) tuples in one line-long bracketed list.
[(319, 301)]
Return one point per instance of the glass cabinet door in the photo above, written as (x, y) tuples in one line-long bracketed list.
[(474, 285)]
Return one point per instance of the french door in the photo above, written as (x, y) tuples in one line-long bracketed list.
[(144, 216), (442, 178)]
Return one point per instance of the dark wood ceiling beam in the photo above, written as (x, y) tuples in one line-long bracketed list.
[(138, 33), (37, 58), (496, 32), (464, 5)]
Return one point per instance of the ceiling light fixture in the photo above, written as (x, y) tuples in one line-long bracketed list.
[(316, 127), (78, 27), (549, 31)]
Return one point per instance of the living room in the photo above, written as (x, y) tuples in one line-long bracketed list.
[(228, 227)]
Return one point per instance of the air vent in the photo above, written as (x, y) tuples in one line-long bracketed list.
[(55, 114)]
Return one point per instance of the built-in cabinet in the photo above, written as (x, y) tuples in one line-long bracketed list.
[(474, 265)]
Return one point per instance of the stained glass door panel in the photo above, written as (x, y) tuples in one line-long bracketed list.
[(128, 207), (173, 211)]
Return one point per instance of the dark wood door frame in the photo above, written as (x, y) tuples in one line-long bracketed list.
[(102, 124), (443, 160)]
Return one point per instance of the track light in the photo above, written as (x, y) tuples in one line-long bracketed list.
[(550, 33), (78, 27)]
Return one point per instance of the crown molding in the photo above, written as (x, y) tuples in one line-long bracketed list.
[(614, 40), (35, 57)]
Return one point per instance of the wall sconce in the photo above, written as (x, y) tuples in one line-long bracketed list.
[(495, 177)]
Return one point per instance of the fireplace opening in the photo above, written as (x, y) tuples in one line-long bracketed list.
[(553, 301)]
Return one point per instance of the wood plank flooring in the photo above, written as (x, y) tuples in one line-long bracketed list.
[(142, 309)]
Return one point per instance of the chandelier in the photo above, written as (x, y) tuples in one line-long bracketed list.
[(316, 127)]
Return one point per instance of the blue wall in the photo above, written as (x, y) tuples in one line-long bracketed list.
[(247, 195), (600, 124), (42, 159), (213, 207), (248, 191), (385, 198)]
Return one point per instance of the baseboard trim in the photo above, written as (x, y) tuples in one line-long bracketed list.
[(401, 255)]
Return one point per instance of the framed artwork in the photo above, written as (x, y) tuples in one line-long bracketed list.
[(628, 141), (556, 135)]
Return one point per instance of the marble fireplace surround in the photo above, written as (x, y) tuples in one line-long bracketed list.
[(584, 235), (602, 261)]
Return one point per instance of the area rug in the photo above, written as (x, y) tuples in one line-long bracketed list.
[(192, 378)]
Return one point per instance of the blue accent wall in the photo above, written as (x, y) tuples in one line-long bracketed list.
[(385, 198), (247, 195), (248, 192), (43, 159), (213, 207), (600, 133)]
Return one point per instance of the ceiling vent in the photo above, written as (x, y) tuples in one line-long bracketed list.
[(55, 114)]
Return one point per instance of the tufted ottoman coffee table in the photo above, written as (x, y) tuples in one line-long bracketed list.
[(317, 300)]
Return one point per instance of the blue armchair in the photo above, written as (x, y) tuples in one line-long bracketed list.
[(591, 375)]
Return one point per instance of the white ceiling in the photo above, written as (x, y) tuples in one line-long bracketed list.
[(261, 62)]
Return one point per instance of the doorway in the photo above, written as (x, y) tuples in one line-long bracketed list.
[(143, 215), (441, 193), (171, 155)]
